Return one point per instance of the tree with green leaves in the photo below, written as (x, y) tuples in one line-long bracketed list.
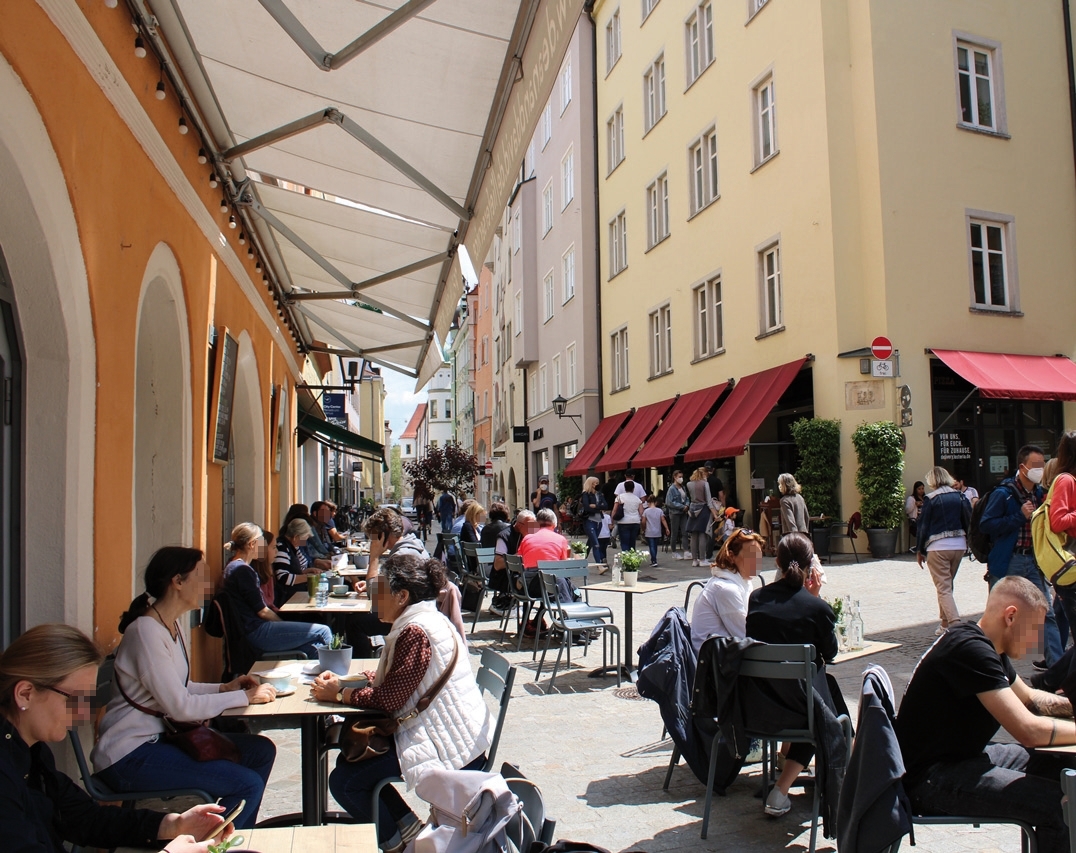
[(448, 468), (396, 472)]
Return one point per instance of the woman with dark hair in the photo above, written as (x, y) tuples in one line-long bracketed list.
[(790, 610), (48, 677), (454, 730), (1062, 498), (721, 610), (152, 681), (628, 526), (495, 535), (913, 504), (248, 580)]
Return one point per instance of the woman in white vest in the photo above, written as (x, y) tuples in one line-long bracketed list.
[(452, 733)]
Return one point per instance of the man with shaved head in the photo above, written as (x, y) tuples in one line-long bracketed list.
[(962, 691)]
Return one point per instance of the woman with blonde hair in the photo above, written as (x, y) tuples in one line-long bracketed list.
[(794, 515), (592, 504), (700, 514), (941, 539), (721, 609)]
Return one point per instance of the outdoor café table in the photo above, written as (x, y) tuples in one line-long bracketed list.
[(352, 572), (334, 838), (629, 593), (870, 647), (300, 707), (300, 603)]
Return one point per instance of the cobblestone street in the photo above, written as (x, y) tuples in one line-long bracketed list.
[(597, 754)]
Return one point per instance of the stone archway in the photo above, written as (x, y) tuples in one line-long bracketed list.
[(248, 438), (510, 495)]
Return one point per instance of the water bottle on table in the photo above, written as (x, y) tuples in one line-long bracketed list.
[(616, 570), (322, 598)]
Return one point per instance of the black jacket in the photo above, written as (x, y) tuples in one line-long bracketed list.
[(40, 808), (777, 613), (874, 811)]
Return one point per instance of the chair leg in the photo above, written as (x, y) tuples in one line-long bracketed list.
[(673, 761), (524, 613), (710, 785), (854, 551), (541, 663), (565, 636), (817, 798)]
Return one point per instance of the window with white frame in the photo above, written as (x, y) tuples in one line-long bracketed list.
[(558, 382), (702, 160), (517, 233), (709, 320), (770, 297), (612, 41), (519, 312), (660, 341), (566, 87), (648, 7), (433, 410), (618, 345), (657, 211), (547, 125), (433, 443), (614, 134), (547, 208), (753, 7), (654, 93), (989, 244), (485, 404), (765, 121), (978, 81), (699, 33), (543, 388), (547, 301), (567, 174), (448, 409), (533, 382), (570, 379), (485, 349), (568, 269), (618, 243)]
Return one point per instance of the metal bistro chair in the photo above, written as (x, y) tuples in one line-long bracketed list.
[(97, 789), (522, 601), (572, 622), (495, 676), (477, 577), (837, 531), (577, 572)]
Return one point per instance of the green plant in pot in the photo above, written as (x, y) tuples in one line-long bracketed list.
[(630, 561), (818, 441), (335, 657), (579, 547), (880, 481)]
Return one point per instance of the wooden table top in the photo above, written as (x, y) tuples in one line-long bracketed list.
[(299, 702), (640, 588), (333, 838), (870, 647), (352, 572), (301, 603)]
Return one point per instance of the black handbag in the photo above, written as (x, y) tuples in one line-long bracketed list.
[(618, 511)]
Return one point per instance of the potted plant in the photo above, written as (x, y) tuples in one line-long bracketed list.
[(818, 441), (880, 481), (630, 561), (335, 657), (579, 547)]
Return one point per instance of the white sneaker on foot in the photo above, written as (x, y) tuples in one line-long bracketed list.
[(777, 804), (676, 555), (687, 555)]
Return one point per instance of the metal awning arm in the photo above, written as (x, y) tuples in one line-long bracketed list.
[(369, 282), (292, 128), (355, 348), (952, 414)]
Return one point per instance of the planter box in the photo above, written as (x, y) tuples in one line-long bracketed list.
[(335, 660), (820, 539), (882, 541)]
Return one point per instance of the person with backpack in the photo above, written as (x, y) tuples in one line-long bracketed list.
[(1006, 521), (544, 498), (941, 541), (1062, 515)]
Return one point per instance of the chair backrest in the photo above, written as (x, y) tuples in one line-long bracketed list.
[(496, 676), (569, 569), (784, 662), (105, 673), (517, 579), (536, 827), (550, 599), (854, 523), (469, 548), (691, 587)]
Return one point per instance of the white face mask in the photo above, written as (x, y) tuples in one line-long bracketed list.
[(544, 487), (679, 480), (1035, 475)]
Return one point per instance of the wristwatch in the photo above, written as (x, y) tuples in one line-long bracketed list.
[(340, 697)]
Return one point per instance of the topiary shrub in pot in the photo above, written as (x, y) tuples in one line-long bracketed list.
[(818, 441), (880, 481)]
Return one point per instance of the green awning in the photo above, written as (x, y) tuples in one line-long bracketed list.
[(338, 438)]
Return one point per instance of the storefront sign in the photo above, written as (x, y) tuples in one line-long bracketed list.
[(520, 434), (999, 464), (333, 404), (868, 394), (951, 446)]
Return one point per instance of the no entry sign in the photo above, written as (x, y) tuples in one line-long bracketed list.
[(881, 347)]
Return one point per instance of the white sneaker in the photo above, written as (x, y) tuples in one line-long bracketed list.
[(687, 555), (676, 555), (694, 563), (777, 804)]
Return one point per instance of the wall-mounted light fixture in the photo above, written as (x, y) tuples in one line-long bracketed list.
[(560, 406)]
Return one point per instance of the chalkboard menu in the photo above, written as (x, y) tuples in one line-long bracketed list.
[(220, 409)]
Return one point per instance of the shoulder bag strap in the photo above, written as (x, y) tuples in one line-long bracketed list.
[(142, 708), (438, 685)]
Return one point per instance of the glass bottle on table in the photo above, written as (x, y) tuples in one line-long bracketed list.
[(855, 628), (322, 598), (616, 570)]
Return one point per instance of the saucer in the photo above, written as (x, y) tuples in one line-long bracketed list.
[(334, 595), (282, 693)]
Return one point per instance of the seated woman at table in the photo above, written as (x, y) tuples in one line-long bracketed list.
[(721, 610), (249, 580), (152, 681), (452, 733), (315, 559), (291, 565), (48, 677), (471, 531), (790, 610)]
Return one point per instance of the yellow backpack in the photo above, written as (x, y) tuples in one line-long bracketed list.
[(1053, 551)]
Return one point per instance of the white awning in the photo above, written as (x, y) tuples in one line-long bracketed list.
[(365, 142)]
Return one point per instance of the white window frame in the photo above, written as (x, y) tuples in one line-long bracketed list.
[(702, 166), (648, 7), (753, 8), (618, 243), (517, 233), (660, 326), (570, 382), (547, 124), (764, 117), (995, 79), (699, 41), (547, 208), (614, 138), (709, 312), (654, 101), (519, 311), (1007, 226), (568, 274), (543, 388), (567, 177), (618, 348), (558, 380), (534, 392), (770, 288), (613, 47), (657, 210), (433, 410), (548, 287), (565, 86)]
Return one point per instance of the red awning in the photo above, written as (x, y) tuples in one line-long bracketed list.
[(588, 454), (618, 456), (686, 414), (743, 412), (1014, 377)]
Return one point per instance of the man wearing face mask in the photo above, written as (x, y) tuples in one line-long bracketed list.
[(543, 498), (1007, 521)]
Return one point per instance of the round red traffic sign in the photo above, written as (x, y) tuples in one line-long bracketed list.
[(489, 467), (881, 347)]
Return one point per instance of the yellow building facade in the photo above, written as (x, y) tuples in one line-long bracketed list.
[(782, 179)]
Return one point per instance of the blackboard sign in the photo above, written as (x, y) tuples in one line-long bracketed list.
[(520, 434), (281, 415), (220, 410)]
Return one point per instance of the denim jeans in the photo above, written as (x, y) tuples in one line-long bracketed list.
[(353, 787), (629, 533), (284, 636), (597, 552), (653, 542), (1024, 566), (1005, 781), (157, 765)]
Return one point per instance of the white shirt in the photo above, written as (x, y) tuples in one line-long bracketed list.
[(619, 490), (606, 530), (631, 503), (721, 610)]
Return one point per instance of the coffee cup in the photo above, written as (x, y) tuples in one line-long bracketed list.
[(340, 589)]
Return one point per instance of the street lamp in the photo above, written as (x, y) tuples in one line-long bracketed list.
[(559, 407)]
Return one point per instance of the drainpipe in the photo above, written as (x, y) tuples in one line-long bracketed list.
[(1067, 15), (588, 7)]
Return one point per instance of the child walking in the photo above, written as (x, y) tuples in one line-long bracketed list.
[(656, 527)]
